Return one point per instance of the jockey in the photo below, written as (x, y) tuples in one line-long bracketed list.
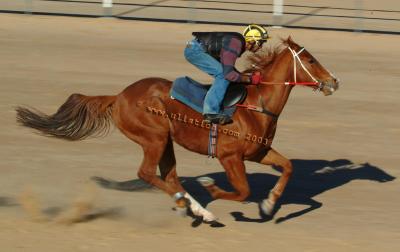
[(215, 53)]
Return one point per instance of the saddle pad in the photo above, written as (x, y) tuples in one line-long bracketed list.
[(192, 93)]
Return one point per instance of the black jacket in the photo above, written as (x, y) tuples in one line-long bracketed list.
[(213, 42)]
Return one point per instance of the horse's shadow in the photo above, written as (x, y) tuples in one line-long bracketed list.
[(310, 178), (7, 202)]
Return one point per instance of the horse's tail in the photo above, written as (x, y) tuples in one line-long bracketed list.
[(78, 118)]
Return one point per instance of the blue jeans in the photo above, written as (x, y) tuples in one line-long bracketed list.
[(195, 54)]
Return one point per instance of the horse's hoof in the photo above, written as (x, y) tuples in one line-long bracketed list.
[(267, 207), (206, 181)]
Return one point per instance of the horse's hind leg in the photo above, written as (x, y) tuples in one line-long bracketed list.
[(236, 173), (167, 167), (168, 174), (153, 153)]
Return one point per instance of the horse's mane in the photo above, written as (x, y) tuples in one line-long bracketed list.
[(266, 56)]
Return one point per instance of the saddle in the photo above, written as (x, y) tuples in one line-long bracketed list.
[(192, 93)]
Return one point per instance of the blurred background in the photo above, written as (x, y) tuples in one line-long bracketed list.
[(353, 15)]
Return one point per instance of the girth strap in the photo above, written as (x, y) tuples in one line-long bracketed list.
[(212, 143)]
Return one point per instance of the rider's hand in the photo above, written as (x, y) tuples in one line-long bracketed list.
[(255, 78)]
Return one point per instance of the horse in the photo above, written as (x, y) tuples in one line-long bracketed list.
[(145, 113)]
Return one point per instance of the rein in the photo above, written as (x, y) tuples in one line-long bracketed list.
[(296, 59), (311, 83)]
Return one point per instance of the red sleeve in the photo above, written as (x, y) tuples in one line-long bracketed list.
[(229, 53)]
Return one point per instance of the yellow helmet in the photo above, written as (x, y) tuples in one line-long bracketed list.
[(256, 33)]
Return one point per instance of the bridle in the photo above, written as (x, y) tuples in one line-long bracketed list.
[(296, 59), (318, 85)]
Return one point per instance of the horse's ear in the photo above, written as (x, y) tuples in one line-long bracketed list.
[(289, 40)]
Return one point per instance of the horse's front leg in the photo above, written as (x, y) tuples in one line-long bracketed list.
[(236, 173), (275, 158)]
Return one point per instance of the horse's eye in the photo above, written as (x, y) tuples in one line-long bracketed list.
[(311, 61)]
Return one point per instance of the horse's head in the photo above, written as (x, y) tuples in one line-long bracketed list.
[(308, 69)]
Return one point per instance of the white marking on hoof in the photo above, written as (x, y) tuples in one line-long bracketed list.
[(206, 181), (267, 207), (198, 210)]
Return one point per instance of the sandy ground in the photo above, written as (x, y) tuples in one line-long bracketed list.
[(345, 148)]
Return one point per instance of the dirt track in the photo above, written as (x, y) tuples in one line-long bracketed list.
[(345, 148)]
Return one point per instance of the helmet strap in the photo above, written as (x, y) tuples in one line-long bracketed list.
[(253, 45)]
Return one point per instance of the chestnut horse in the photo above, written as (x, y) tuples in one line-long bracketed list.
[(146, 114)]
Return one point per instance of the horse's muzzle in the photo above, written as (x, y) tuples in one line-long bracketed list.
[(330, 86)]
